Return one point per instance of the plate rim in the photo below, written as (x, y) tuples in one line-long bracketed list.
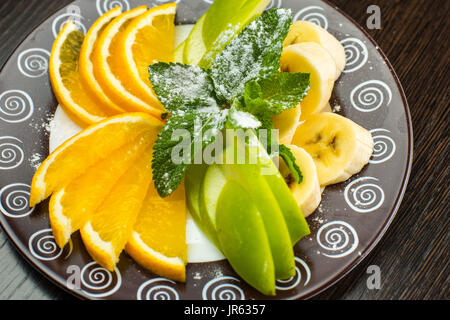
[(47, 272)]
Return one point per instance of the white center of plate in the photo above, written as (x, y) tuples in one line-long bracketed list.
[(200, 248)]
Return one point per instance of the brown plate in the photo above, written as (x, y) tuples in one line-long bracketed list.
[(350, 221)]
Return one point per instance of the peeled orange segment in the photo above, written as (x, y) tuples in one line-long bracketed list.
[(88, 147), (86, 61), (108, 70), (149, 38), (312, 58), (111, 225), (158, 241), (65, 79), (71, 207)]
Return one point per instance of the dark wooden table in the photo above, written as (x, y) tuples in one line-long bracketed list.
[(414, 254)]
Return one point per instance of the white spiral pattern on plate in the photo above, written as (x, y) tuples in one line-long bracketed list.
[(338, 239), (106, 5), (14, 200), (370, 96), (33, 62), (158, 289), (223, 288), (356, 53), (274, 4), (15, 106), (59, 22), (11, 154), (384, 146), (42, 245), (301, 267), (363, 196), (314, 14), (99, 282)]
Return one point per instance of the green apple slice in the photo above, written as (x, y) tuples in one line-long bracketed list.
[(243, 238), (194, 47), (178, 54), (250, 176), (221, 23), (213, 183), (295, 220), (193, 183)]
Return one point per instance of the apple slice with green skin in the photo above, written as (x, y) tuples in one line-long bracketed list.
[(295, 220), (243, 238), (194, 47), (293, 216), (193, 183), (213, 183), (250, 176), (213, 31), (178, 53)]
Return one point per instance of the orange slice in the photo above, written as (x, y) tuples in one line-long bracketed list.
[(110, 226), (86, 63), (71, 207), (65, 79), (158, 241), (149, 38), (107, 68), (87, 148)]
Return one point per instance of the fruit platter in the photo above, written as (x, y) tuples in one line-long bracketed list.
[(221, 149)]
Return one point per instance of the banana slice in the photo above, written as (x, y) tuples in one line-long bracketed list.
[(287, 123), (340, 148), (305, 31), (310, 57), (327, 108), (307, 193)]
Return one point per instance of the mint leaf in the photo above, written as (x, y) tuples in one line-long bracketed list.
[(180, 139), (182, 87), (286, 154), (270, 97), (253, 55)]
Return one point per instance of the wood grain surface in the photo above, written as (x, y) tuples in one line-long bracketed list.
[(414, 254)]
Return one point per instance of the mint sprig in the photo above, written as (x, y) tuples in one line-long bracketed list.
[(254, 54), (243, 89)]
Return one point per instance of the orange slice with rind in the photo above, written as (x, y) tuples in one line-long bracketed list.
[(149, 38), (85, 149), (158, 241), (108, 69), (111, 225), (86, 61), (71, 207), (65, 78)]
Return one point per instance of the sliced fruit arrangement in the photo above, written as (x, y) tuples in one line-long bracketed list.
[(248, 210), (105, 72), (100, 183)]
